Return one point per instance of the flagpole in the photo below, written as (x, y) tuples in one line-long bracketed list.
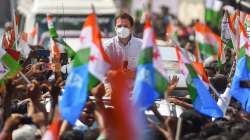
[(216, 92), (178, 131), (15, 26), (25, 78)]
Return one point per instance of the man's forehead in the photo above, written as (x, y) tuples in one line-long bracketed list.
[(122, 21)]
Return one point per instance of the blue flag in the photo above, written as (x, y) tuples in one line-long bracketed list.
[(75, 94), (204, 103), (241, 94), (144, 90)]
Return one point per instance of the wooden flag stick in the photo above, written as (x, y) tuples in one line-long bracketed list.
[(25, 78), (178, 130)]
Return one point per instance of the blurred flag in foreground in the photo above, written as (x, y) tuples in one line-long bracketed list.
[(151, 81), (89, 67), (240, 89), (197, 87), (210, 43), (9, 67), (99, 61)]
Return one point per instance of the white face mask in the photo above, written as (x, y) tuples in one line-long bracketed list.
[(122, 32)]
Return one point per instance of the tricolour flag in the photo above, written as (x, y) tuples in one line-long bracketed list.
[(32, 36), (99, 61), (151, 81), (171, 31), (52, 30), (225, 30), (89, 67), (212, 12), (239, 35), (55, 53), (236, 33), (243, 42), (53, 131), (197, 86), (209, 43), (9, 66)]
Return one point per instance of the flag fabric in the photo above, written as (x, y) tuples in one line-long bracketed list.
[(9, 66), (224, 100), (212, 12), (247, 34), (209, 43), (151, 81), (225, 30), (89, 67), (23, 47), (9, 43), (197, 87), (239, 35), (53, 131), (55, 53), (33, 35), (243, 42), (241, 74), (171, 30), (52, 30), (235, 31), (99, 61)]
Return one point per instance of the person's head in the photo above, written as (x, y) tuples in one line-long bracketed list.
[(25, 132), (8, 26), (72, 135), (123, 25), (91, 134), (192, 121), (210, 69)]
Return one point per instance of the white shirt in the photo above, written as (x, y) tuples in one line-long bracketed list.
[(119, 53)]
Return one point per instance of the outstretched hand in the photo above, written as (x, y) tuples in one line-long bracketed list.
[(172, 85)]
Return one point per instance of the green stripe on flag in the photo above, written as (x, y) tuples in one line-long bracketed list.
[(248, 63), (161, 83), (212, 18), (70, 52), (229, 44), (13, 65), (146, 56), (81, 57), (206, 50), (191, 88), (93, 81), (53, 33), (242, 52), (191, 71)]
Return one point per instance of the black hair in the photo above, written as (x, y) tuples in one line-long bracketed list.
[(72, 135), (91, 134), (125, 16)]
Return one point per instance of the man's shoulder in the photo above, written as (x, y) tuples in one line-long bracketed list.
[(109, 42), (137, 40)]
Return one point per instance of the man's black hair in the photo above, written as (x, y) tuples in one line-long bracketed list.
[(72, 135), (125, 16)]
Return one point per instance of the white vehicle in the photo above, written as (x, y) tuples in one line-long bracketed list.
[(68, 15), (170, 64)]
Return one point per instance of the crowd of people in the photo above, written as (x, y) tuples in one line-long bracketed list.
[(29, 101)]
